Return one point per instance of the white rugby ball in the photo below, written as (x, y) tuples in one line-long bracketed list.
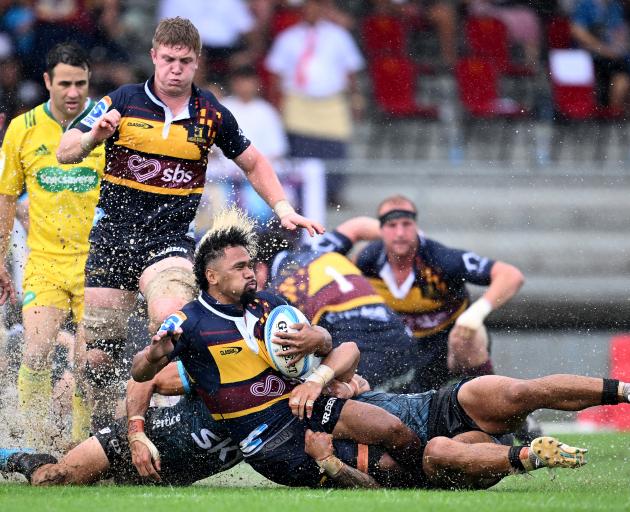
[(280, 319)]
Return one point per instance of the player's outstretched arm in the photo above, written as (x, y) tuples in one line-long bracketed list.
[(318, 445), (505, 281), (76, 145), (150, 360), (263, 178)]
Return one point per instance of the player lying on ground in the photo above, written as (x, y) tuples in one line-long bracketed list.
[(185, 444), (458, 425)]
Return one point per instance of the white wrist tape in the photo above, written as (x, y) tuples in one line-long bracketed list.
[(474, 316), (322, 375), (283, 208), (87, 142), (142, 438)]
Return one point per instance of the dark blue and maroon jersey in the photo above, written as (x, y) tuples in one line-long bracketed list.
[(435, 293), (156, 162), (332, 292), (223, 351)]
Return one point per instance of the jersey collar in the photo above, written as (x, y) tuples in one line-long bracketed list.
[(169, 117), (230, 311), (86, 109)]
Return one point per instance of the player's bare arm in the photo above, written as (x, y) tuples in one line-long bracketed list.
[(318, 445), (76, 145), (360, 228), (261, 175), (341, 363), (308, 339), (149, 361)]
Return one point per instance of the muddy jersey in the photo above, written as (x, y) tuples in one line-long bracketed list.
[(322, 282), (223, 351), (435, 293), (156, 161)]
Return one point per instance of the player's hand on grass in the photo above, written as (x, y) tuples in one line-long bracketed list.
[(106, 126), (7, 289), (145, 463), (318, 445), (295, 220), (306, 340), (303, 397)]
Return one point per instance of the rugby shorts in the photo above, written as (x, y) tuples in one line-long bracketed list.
[(114, 263), (55, 281)]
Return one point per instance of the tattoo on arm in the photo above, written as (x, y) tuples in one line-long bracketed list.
[(350, 477)]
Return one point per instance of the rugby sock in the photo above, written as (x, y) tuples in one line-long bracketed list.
[(522, 459), (34, 397), (81, 413), (623, 391), (610, 392)]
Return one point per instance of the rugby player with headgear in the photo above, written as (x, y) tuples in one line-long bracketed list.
[(220, 339), (320, 280), (157, 137)]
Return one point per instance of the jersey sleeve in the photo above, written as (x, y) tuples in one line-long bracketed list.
[(11, 170), (113, 100), (333, 241), (459, 264), (230, 138), (367, 258)]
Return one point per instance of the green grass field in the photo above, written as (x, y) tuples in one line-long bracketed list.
[(602, 485)]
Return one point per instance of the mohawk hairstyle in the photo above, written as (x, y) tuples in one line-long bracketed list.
[(230, 227)]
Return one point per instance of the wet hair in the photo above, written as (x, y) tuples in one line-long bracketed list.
[(69, 53), (397, 202), (231, 227), (177, 32)]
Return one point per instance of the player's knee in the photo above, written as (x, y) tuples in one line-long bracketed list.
[(436, 453), (100, 367), (400, 434), (517, 391), (168, 292), (102, 323)]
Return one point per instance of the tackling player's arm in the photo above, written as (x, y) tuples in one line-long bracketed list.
[(261, 175), (144, 454), (319, 446), (341, 364)]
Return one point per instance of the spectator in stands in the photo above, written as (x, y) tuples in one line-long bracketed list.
[(227, 30), (262, 124), (314, 66), (599, 27), (520, 19)]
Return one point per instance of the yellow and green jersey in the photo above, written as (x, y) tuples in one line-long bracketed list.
[(62, 197)]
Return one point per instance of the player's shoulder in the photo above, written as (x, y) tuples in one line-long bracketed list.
[(28, 120), (209, 97), (372, 257)]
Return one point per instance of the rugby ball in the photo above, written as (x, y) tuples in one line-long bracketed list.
[(280, 319)]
